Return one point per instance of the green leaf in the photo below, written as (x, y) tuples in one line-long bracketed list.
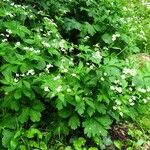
[(38, 106), (105, 121), (74, 122), (24, 115), (27, 84), (107, 38), (80, 107), (32, 132), (17, 94), (34, 115), (118, 144), (64, 113), (7, 137), (92, 128)]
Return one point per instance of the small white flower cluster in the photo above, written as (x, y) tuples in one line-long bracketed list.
[(117, 105), (142, 90), (59, 89), (116, 89), (31, 49), (62, 44), (102, 79), (9, 31), (97, 55), (63, 70), (68, 90), (46, 89), (51, 21), (105, 48), (115, 36), (47, 67), (86, 37), (9, 14), (4, 37), (4, 40), (45, 44), (19, 6), (57, 77), (30, 72), (74, 75), (127, 71), (145, 100), (132, 100), (16, 79), (17, 44)]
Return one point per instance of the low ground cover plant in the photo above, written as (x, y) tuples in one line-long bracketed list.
[(70, 71)]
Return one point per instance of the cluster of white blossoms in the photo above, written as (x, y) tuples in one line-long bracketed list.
[(116, 88), (46, 44), (17, 44), (50, 21), (57, 77), (63, 69), (132, 101), (115, 36), (31, 49), (127, 71), (97, 55), (59, 89), (117, 105), (47, 67), (144, 90), (29, 72), (74, 74), (46, 89)]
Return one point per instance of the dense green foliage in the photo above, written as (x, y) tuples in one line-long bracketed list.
[(69, 70)]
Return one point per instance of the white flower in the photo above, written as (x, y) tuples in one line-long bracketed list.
[(130, 100), (17, 75), (59, 88), (130, 89), (15, 80), (114, 107), (9, 31), (128, 71), (102, 79), (22, 75), (46, 89), (105, 74), (145, 101), (114, 36), (116, 81), (148, 89), (97, 55), (45, 44), (49, 65), (4, 40), (112, 88), (133, 97), (57, 77), (121, 113), (17, 44), (30, 72), (132, 104), (65, 70), (119, 89), (141, 90), (73, 74), (118, 102), (68, 90), (123, 76)]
